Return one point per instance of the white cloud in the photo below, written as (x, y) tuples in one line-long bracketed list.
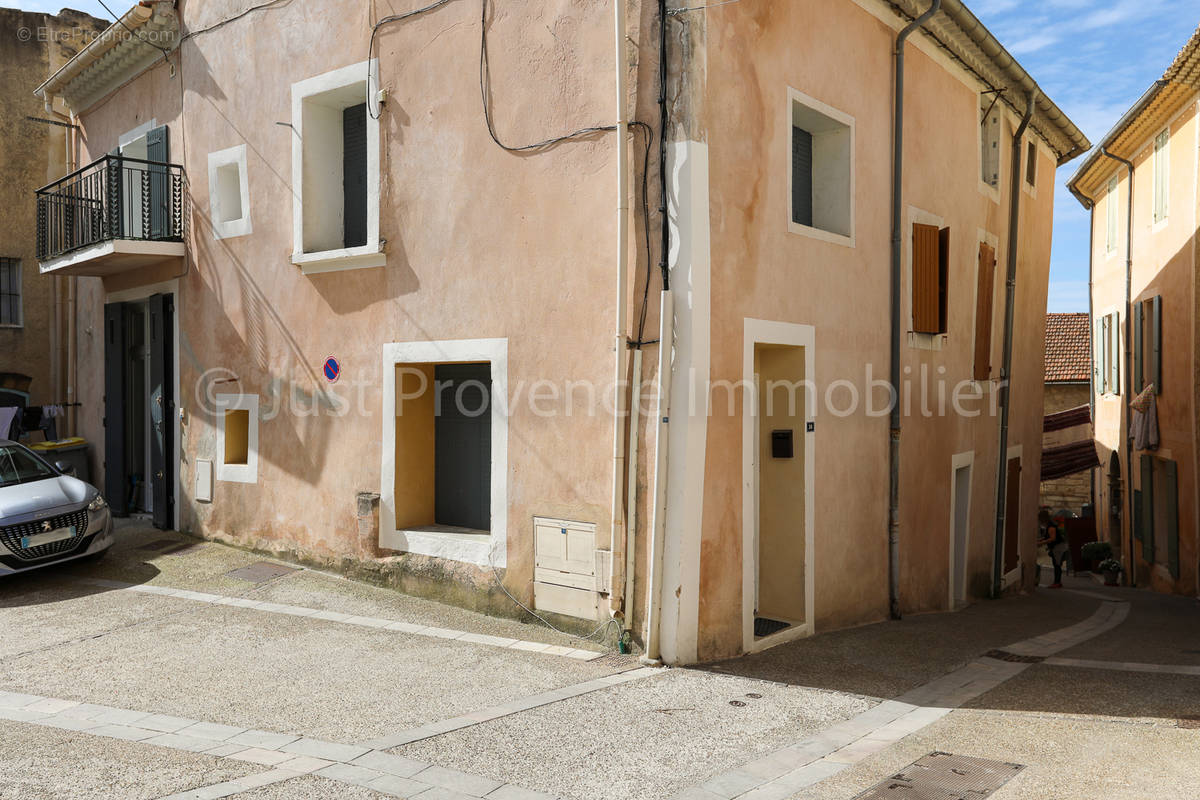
[(1034, 43)]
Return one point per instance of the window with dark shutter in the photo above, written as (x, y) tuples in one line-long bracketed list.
[(984, 298), (1138, 346), (1155, 304), (354, 175), (930, 274), (802, 177), (10, 291)]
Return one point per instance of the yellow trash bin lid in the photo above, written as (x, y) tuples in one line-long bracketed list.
[(73, 441)]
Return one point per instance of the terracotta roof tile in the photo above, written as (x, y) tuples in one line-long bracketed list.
[(1068, 348)]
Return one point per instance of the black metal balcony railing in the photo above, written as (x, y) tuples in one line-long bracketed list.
[(114, 197)]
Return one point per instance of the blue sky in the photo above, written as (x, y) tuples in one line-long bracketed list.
[(1093, 57)]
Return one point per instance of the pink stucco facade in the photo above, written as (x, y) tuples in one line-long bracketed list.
[(485, 246)]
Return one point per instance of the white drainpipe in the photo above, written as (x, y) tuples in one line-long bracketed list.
[(658, 519), (617, 585)]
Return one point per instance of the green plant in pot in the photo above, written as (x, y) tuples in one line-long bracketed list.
[(1112, 571), (1095, 553)]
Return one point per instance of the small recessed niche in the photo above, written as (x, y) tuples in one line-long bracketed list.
[(237, 436)]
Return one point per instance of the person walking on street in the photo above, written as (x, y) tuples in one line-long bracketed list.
[(1055, 539)]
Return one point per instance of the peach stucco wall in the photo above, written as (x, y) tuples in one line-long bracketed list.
[(755, 52), (1164, 264), (481, 243)]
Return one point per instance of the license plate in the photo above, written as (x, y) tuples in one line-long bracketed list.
[(49, 537)]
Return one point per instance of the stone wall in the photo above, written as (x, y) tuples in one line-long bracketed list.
[(1074, 490)]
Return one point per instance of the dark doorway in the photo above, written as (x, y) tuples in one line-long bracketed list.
[(1012, 516), (463, 446), (139, 408)]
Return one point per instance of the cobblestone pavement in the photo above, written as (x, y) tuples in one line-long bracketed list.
[(157, 674)]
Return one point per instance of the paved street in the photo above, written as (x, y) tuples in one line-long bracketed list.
[(156, 673)]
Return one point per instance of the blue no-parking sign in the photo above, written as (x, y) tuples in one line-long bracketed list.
[(332, 369)]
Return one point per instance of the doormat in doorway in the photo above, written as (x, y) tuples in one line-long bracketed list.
[(261, 571), (942, 776), (765, 627)]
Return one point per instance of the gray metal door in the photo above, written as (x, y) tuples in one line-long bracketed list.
[(463, 446)]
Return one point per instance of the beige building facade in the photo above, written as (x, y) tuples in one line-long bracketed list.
[(34, 313), (1141, 189), (386, 324)]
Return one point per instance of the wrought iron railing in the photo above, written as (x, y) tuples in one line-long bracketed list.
[(114, 197)]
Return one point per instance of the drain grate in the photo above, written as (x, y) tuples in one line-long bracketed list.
[(942, 776), (765, 627), (260, 571), (1004, 655)]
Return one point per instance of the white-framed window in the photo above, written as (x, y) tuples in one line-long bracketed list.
[(237, 438), (990, 115), (1110, 216), (335, 171), (229, 192), (1107, 346), (417, 423), (1162, 175), (11, 312), (820, 170)]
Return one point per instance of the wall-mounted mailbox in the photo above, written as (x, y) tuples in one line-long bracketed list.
[(781, 444)]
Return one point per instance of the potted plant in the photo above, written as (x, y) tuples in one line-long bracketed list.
[(1112, 571), (1096, 552)]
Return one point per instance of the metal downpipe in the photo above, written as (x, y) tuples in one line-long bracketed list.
[(1126, 443), (894, 374), (1010, 297)]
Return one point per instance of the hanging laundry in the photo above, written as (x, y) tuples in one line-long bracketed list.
[(8, 422), (1143, 429)]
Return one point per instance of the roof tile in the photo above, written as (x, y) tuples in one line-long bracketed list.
[(1068, 348)]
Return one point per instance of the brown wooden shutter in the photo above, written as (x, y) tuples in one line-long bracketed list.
[(943, 280), (926, 255), (983, 312)]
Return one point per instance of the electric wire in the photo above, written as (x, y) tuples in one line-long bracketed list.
[(599, 628), (132, 33), (376, 111)]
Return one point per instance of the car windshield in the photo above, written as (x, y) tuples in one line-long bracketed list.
[(18, 465)]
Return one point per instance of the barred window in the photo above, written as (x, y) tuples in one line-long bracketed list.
[(10, 291)]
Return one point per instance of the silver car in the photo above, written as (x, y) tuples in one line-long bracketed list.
[(47, 516)]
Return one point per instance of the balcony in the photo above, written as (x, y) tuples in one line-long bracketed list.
[(115, 215)]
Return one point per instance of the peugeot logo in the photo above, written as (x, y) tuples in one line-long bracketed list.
[(46, 526)]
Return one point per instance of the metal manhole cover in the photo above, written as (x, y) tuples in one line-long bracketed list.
[(260, 571), (1004, 655), (942, 776)]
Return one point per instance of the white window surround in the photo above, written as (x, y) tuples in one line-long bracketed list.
[(981, 130), (129, 137), (238, 473), (1112, 225), (758, 331), (472, 547), (1015, 451), (1161, 166), (229, 204), (918, 341), (806, 104), (957, 462), (1030, 189), (341, 88)]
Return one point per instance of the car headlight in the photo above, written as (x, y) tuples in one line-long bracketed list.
[(97, 503)]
